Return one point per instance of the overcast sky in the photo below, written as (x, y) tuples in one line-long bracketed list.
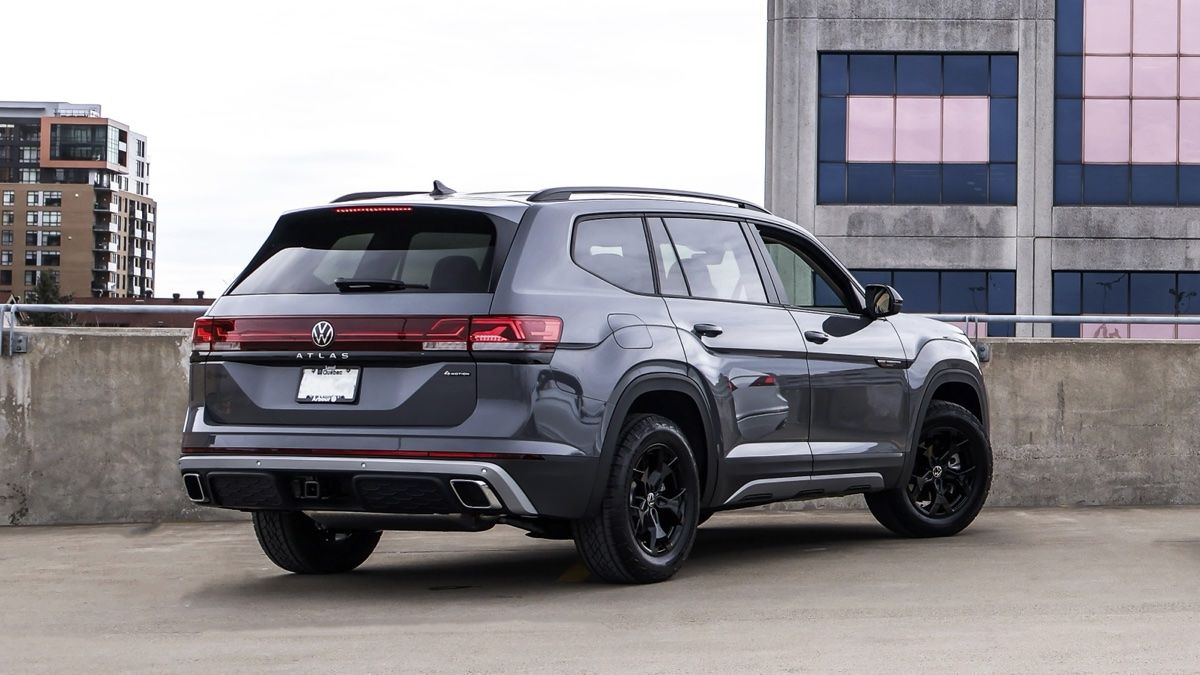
[(253, 108)]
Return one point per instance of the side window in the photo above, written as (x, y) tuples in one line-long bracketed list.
[(805, 283), (715, 259), (614, 249)]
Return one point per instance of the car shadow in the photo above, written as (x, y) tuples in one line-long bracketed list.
[(723, 547)]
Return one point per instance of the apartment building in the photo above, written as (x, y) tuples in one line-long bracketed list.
[(74, 202)]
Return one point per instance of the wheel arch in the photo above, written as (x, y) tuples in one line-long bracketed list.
[(662, 393), (953, 384)]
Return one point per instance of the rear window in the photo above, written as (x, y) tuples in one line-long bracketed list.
[(427, 250)]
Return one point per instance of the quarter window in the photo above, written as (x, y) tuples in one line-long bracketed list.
[(715, 259), (614, 249)]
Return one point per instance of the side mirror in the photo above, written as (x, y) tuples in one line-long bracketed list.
[(883, 301)]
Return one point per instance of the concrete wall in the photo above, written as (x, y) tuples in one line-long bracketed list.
[(90, 422)]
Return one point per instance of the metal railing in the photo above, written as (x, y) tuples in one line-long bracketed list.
[(8, 315), (974, 321)]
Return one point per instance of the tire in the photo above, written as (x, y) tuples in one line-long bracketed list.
[(621, 543), (949, 480), (298, 544)]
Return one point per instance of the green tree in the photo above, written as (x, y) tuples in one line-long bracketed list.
[(46, 292)]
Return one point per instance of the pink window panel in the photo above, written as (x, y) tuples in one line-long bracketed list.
[(1106, 26), (1189, 77), (1152, 331), (1155, 124), (918, 130), (1155, 76), (1104, 330), (1189, 26), (965, 130), (1106, 131), (1106, 76), (870, 123), (1189, 132), (1188, 331), (1156, 27)]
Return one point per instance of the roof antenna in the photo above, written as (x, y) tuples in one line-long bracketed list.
[(440, 189)]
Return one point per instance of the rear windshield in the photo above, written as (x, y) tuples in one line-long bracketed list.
[(427, 250)]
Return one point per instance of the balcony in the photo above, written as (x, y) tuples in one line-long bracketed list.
[(150, 217), (104, 286), (149, 235), (149, 254), (104, 266), (106, 247), (139, 233), (101, 226), (106, 207), (102, 185)]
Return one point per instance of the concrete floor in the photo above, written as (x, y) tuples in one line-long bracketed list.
[(1098, 590)]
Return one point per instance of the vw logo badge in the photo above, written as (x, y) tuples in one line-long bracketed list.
[(322, 334)]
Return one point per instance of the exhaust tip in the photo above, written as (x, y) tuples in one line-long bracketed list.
[(474, 494), (194, 487)]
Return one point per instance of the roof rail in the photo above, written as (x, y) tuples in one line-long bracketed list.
[(355, 196), (561, 194)]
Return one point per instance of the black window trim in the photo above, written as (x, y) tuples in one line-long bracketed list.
[(822, 258)]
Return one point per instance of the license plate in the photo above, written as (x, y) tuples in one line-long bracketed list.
[(328, 385)]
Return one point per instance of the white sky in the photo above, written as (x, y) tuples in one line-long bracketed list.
[(254, 108)]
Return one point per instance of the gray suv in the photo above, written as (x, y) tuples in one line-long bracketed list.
[(612, 365)]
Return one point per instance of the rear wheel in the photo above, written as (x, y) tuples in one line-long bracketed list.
[(949, 481), (299, 544), (647, 521)]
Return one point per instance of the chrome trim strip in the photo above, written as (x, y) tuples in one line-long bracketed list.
[(510, 491), (783, 488), (793, 449)]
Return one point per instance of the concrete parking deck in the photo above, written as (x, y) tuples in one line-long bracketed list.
[(1087, 590)]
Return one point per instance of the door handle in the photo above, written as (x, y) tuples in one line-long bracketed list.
[(816, 337), (707, 329)]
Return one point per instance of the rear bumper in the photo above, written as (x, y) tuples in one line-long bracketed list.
[(550, 487)]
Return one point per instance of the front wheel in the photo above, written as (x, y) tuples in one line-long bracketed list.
[(647, 520), (299, 544), (949, 481)]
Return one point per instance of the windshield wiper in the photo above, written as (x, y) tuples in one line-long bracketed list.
[(370, 285)]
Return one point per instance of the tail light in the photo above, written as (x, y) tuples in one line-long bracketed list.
[(388, 334)]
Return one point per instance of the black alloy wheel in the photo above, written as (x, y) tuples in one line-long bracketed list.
[(944, 477), (657, 508)]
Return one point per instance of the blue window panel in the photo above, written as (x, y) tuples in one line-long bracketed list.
[(1068, 77), (918, 183), (1068, 130), (1189, 185), (1002, 293), (1002, 299), (835, 76), (965, 75), (869, 183), (919, 74), (1003, 187), (1188, 293), (1066, 293), (1155, 185), (872, 74), (831, 184), (866, 277), (832, 126), (1152, 293), (1068, 184), (1069, 33), (1004, 75), (823, 295), (919, 290), (1106, 184), (964, 183), (1064, 330), (1003, 132), (964, 292), (1104, 293)]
